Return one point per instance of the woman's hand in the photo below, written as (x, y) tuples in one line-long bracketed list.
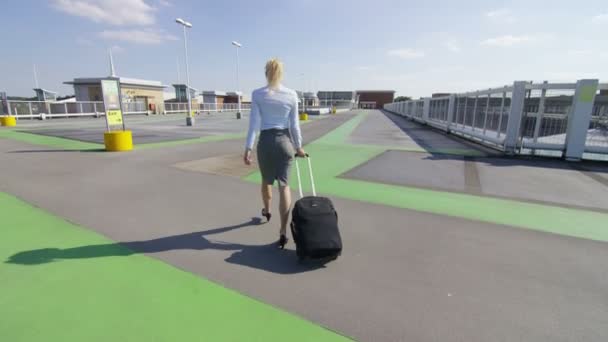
[(247, 157), (300, 153)]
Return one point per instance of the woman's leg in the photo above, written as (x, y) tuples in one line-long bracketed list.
[(266, 195), (284, 206)]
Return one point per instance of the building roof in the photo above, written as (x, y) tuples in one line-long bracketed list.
[(183, 85), (122, 80), (67, 100), (375, 91), (46, 91), (213, 92), (306, 94)]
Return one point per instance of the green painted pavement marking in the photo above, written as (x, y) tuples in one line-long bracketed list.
[(334, 158), (69, 144), (103, 292), (339, 135), (209, 138), (37, 139)]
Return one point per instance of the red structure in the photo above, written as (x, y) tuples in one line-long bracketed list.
[(371, 99)]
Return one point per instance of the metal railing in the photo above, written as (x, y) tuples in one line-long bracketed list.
[(135, 108), (182, 107), (338, 104), (534, 118), (46, 109), (42, 109), (597, 136)]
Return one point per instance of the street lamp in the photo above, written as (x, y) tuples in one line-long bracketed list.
[(238, 45), (303, 93), (189, 118)]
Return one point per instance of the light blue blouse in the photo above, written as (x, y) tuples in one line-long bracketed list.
[(274, 108)]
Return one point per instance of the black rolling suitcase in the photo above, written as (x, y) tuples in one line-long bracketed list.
[(314, 224)]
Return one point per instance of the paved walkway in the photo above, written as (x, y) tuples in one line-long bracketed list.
[(450, 257)]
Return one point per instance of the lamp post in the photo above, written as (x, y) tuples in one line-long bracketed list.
[(238, 45), (185, 24), (303, 93)]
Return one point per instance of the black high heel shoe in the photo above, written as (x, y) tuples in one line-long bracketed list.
[(283, 241), (267, 215)]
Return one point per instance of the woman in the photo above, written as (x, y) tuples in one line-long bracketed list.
[(274, 111)]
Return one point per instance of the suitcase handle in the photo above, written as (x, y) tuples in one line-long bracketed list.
[(312, 179)]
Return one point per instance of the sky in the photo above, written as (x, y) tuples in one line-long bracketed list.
[(413, 47)]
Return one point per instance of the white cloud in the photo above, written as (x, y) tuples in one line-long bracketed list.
[(507, 40), (570, 76), (453, 46), (113, 12), (579, 52), (117, 49), (406, 53), (600, 18), (447, 69), (501, 14), (165, 3), (146, 36), (498, 13), (365, 67)]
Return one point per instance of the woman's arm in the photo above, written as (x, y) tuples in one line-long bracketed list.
[(294, 126), (254, 124)]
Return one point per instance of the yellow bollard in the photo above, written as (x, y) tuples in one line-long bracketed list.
[(8, 121), (303, 117), (118, 141), (333, 110)]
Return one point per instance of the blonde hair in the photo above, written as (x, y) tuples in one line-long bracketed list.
[(274, 72)]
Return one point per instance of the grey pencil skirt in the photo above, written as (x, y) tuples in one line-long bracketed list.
[(275, 152)]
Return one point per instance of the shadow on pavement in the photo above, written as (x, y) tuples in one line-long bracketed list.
[(264, 257), (530, 161)]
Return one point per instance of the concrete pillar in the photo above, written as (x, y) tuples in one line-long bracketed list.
[(426, 110), (579, 118), (518, 97), (451, 106)]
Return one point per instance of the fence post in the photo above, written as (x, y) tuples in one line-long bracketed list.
[(426, 109), (540, 114), (485, 117), (464, 110), (515, 114), (450, 117), (474, 119), (541, 111), (579, 118)]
